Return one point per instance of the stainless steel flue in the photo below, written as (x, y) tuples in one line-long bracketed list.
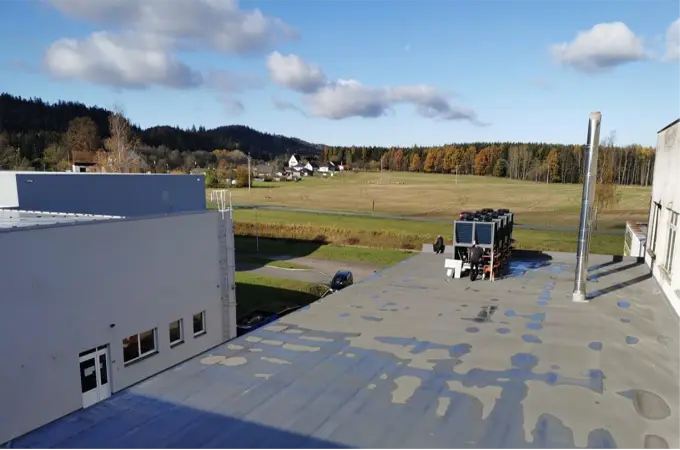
[(587, 207)]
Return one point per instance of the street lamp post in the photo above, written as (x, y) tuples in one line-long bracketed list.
[(249, 183)]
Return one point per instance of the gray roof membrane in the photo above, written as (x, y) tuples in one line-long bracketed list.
[(409, 359)]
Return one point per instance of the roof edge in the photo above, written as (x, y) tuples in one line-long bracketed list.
[(668, 126)]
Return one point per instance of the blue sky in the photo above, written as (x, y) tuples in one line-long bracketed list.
[(423, 72)]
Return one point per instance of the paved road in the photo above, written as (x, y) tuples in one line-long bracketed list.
[(415, 219), (321, 273)]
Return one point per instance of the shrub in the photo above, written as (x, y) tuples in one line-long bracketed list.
[(211, 179), (242, 176)]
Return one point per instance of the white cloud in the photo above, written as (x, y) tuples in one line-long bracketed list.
[(148, 33), (341, 99), (603, 47), (216, 24), (673, 42), (119, 61), (294, 73)]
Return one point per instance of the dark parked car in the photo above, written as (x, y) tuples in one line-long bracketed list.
[(341, 280)]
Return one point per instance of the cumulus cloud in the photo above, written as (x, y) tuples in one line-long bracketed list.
[(217, 24), (119, 61), (294, 73), (673, 42), (603, 47), (344, 98), (149, 33)]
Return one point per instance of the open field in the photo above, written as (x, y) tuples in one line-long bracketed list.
[(436, 195), (272, 248), (378, 233)]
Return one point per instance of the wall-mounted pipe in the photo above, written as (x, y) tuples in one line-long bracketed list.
[(587, 203)]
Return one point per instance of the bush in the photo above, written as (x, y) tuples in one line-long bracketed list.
[(242, 176), (211, 179)]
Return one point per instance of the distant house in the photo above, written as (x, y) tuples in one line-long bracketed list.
[(83, 162), (265, 170), (294, 161), (83, 167), (327, 167), (311, 166)]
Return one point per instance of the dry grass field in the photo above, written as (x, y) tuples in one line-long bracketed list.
[(435, 195)]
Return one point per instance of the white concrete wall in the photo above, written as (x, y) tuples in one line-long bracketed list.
[(64, 286), (666, 191), (9, 198)]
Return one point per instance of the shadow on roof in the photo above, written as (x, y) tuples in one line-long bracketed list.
[(129, 420)]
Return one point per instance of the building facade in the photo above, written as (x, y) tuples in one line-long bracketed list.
[(663, 240), (93, 304)]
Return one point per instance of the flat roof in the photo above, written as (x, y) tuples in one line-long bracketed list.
[(668, 126), (11, 219), (408, 359)]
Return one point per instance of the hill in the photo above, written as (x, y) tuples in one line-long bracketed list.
[(32, 134), (33, 124)]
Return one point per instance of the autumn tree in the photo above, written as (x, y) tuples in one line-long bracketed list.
[(242, 176), (484, 161), (56, 158), (416, 163), (553, 163), (121, 149), (397, 160), (81, 137), (606, 194), (429, 165), (499, 168)]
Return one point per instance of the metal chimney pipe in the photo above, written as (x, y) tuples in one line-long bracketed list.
[(587, 202)]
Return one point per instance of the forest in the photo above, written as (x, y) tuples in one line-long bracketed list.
[(43, 136), (554, 163)]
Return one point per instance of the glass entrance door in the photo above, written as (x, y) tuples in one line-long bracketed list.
[(94, 375)]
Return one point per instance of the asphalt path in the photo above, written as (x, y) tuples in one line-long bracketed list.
[(414, 219), (321, 271)]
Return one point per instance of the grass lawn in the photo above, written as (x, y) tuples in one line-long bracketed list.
[(245, 248), (347, 232), (272, 294), (437, 195)]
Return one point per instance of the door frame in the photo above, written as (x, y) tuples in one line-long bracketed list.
[(103, 390)]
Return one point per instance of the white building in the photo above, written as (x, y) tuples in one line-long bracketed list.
[(126, 276), (662, 253)]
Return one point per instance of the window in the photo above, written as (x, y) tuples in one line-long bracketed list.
[(138, 346), (176, 331), (199, 323), (672, 234), (654, 224)]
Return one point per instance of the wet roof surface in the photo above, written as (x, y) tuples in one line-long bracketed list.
[(10, 219), (407, 359)]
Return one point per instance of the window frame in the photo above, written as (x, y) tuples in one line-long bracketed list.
[(655, 213), (179, 341), (203, 330), (672, 238), (140, 356)]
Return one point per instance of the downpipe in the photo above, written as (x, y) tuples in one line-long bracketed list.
[(587, 207)]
